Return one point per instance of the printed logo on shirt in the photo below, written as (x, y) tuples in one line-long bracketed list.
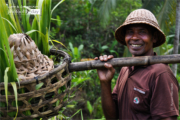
[(136, 100), (136, 89)]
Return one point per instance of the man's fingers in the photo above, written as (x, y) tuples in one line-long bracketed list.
[(101, 58), (96, 58), (104, 57), (108, 66), (110, 56), (110, 72)]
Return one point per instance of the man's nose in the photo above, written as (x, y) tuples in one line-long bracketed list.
[(135, 36)]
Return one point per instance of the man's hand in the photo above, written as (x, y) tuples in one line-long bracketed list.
[(106, 75)]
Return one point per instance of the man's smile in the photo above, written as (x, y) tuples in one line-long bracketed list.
[(135, 45)]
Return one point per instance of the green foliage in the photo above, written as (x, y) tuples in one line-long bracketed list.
[(6, 84), (25, 17), (62, 116), (38, 86), (105, 9), (39, 31), (6, 55), (164, 10), (81, 25), (11, 21), (16, 96), (12, 114), (75, 52), (76, 113), (89, 107)]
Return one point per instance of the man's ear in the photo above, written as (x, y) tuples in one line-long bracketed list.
[(154, 37)]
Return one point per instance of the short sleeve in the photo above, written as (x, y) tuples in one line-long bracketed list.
[(115, 90), (114, 93), (164, 100)]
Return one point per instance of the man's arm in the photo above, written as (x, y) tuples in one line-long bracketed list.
[(108, 105), (105, 76)]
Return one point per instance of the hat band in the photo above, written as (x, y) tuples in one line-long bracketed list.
[(141, 20)]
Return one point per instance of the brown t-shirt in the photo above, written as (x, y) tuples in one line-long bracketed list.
[(151, 92)]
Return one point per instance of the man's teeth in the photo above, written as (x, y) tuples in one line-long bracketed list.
[(136, 45)]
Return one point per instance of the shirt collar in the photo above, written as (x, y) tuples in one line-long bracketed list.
[(131, 68)]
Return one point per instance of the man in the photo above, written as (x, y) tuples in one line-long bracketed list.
[(141, 92)]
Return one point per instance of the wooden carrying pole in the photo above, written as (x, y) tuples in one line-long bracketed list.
[(126, 61)]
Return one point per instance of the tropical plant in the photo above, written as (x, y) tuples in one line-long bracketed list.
[(75, 52), (89, 106), (105, 9), (164, 10)]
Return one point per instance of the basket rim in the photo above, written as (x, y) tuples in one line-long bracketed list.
[(53, 71)]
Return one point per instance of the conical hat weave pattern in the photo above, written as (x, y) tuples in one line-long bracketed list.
[(28, 59), (140, 16)]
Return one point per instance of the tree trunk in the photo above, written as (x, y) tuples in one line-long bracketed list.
[(176, 40)]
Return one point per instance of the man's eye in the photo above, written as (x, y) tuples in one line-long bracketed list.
[(142, 31), (129, 32)]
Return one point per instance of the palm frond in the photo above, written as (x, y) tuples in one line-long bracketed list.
[(166, 17), (105, 9), (164, 10)]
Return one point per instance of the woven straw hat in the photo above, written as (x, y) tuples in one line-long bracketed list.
[(140, 16), (28, 59)]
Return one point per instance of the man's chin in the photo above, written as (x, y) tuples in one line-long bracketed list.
[(134, 54)]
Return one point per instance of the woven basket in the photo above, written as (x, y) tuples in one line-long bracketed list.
[(42, 101)]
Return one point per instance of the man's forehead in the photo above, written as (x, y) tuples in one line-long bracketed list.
[(140, 26)]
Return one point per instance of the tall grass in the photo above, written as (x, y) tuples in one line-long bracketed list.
[(7, 67), (6, 57), (40, 28)]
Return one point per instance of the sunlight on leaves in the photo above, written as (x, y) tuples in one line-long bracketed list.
[(15, 94), (89, 106), (6, 84), (38, 86)]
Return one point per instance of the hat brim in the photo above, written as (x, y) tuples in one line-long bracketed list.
[(120, 33)]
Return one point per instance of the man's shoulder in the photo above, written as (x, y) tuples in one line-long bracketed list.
[(163, 72), (159, 68), (124, 69)]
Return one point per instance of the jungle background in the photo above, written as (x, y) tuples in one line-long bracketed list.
[(86, 28)]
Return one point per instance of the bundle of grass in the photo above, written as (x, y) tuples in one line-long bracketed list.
[(28, 59)]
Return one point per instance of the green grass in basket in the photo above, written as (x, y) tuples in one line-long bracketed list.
[(8, 70)]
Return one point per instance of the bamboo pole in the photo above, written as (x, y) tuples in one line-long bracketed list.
[(119, 62), (126, 61)]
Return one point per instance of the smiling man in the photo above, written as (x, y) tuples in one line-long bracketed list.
[(139, 39), (141, 92)]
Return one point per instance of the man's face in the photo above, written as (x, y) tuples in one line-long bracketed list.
[(139, 40)]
